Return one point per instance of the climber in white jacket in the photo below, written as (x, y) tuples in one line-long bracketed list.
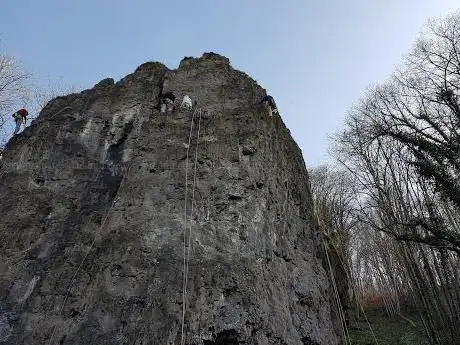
[(186, 103)]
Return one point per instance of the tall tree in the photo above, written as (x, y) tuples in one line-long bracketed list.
[(401, 144), (414, 118), (419, 107)]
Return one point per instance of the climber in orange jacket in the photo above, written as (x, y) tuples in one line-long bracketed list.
[(20, 117), (269, 104)]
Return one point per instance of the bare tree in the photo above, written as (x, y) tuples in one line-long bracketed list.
[(404, 245), (415, 116), (402, 146), (333, 195), (13, 89), (419, 107), (18, 89)]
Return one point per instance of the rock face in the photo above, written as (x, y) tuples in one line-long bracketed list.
[(97, 195)]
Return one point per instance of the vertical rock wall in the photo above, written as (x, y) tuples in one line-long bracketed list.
[(93, 198)]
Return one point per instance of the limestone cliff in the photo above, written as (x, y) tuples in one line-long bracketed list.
[(94, 196)]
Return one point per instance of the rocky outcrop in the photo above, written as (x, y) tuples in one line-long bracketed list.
[(94, 197)]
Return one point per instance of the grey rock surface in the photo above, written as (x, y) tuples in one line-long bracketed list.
[(93, 197)]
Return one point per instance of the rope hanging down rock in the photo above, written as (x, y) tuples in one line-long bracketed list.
[(99, 231), (187, 243)]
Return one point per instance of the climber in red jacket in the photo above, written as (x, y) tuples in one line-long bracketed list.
[(20, 117)]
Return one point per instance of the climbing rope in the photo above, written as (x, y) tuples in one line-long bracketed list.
[(187, 244), (185, 224), (10, 262), (337, 297), (58, 112), (99, 230), (342, 314)]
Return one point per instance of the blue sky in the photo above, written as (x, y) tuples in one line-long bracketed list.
[(315, 57)]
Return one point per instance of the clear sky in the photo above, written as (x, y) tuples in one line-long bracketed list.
[(315, 57)]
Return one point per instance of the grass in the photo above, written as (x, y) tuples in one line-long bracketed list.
[(385, 330)]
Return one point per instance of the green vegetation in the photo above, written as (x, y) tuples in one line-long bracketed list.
[(385, 330)]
